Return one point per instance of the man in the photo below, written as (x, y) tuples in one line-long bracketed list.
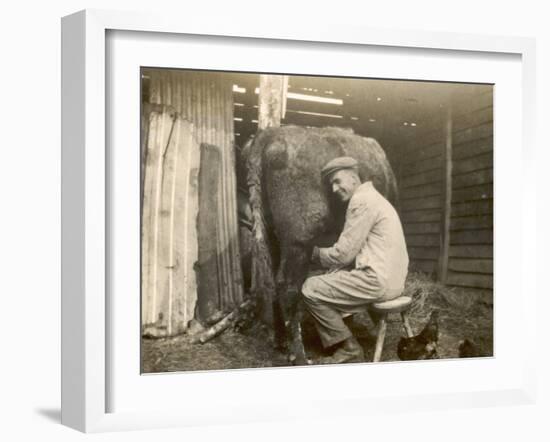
[(367, 264)]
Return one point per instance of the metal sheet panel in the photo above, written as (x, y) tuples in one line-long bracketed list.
[(205, 99), (169, 217)]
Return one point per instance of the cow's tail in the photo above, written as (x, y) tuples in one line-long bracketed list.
[(263, 281)]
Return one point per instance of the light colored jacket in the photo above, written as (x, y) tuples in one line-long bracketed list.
[(373, 238)]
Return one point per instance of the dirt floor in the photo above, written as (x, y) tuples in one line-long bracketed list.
[(462, 314)]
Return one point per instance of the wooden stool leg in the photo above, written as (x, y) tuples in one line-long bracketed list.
[(380, 338), (406, 325)]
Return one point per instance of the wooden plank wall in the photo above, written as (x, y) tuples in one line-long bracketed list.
[(421, 179), (420, 172), (471, 239), (205, 99)]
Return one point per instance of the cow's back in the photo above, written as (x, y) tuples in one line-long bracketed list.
[(292, 160)]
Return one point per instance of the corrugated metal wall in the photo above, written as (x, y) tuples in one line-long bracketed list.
[(205, 99), (421, 184), (169, 246)]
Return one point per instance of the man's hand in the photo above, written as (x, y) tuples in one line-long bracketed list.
[(315, 255)]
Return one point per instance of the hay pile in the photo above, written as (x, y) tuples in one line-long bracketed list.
[(428, 295), (464, 313)]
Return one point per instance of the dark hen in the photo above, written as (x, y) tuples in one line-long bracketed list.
[(422, 346)]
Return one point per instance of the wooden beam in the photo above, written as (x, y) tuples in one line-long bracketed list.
[(425, 202), (476, 280), (477, 251), (423, 240), (421, 216), (447, 198), (474, 147), (272, 100), (420, 179), (471, 265), (472, 222), (424, 253), (208, 266), (475, 208), (478, 162), (478, 236), (475, 178), (421, 228), (473, 193), (421, 191), (484, 130)]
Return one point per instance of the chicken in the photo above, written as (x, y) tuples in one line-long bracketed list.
[(467, 349), (422, 346)]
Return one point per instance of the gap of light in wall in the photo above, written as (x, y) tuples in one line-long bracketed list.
[(317, 114), (238, 104), (238, 89), (237, 119), (372, 120), (314, 98)]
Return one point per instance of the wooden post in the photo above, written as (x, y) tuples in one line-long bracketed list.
[(272, 105), (272, 100), (380, 339), (447, 196)]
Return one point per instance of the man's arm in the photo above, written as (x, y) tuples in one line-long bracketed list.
[(359, 222)]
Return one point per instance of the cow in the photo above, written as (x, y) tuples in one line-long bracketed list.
[(291, 209)]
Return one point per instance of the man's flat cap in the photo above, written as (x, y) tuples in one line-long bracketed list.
[(338, 164)]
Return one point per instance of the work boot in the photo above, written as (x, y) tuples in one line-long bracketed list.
[(349, 351)]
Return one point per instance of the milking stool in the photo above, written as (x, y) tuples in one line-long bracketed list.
[(381, 310)]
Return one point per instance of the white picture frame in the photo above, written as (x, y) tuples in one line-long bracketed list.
[(86, 204)]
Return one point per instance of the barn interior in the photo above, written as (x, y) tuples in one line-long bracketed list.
[(428, 130), (438, 138)]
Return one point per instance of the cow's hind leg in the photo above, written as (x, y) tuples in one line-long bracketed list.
[(280, 339), (292, 273)]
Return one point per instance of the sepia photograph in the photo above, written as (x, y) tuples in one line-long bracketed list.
[(291, 220)]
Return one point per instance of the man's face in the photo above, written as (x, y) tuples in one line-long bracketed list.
[(344, 183)]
